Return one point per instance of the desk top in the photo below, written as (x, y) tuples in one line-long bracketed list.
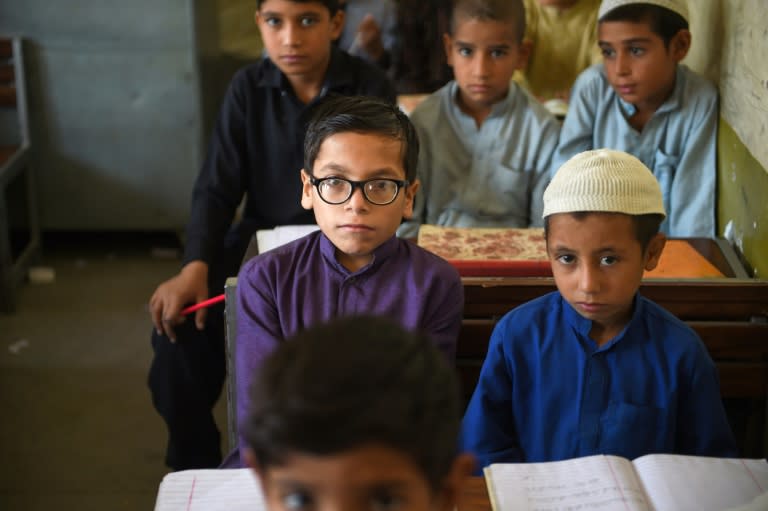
[(475, 496)]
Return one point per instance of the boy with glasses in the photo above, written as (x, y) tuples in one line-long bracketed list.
[(359, 178)]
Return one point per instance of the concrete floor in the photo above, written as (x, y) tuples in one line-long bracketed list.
[(78, 431)]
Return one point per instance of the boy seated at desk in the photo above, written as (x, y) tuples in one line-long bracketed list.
[(485, 143), (643, 101), (359, 177), (594, 367), (356, 414), (254, 153)]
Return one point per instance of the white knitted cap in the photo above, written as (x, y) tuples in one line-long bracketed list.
[(603, 180), (678, 6)]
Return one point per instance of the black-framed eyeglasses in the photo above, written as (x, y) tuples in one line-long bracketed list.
[(337, 190)]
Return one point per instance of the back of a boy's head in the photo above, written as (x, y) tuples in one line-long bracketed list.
[(505, 11), (355, 382), (332, 5), (664, 17), (365, 115), (607, 181)]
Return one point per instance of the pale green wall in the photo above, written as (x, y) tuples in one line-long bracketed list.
[(743, 138)]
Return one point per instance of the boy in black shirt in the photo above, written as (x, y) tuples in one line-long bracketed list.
[(256, 150)]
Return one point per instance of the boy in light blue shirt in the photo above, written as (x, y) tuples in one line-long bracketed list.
[(486, 144), (643, 101)]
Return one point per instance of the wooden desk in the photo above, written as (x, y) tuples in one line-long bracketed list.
[(474, 497)]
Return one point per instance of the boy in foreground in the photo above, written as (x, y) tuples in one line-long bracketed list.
[(643, 101), (594, 367), (359, 177), (486, 143), (357, 414)]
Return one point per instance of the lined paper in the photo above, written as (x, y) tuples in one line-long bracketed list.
[(210, 490), (592, 483), (697, 483)]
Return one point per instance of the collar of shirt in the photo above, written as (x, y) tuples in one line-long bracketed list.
[(380, 254), (499, 109), (673, 102), (337, 76), (582, 325)]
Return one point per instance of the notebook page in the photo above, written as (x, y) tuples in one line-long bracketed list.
[(267, 239), (592, 483), (682, 483), (210, 490)]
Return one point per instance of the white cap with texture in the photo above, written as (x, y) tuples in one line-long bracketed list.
[(603, 180), (678, 6)]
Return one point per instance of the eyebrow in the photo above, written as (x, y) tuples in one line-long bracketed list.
[(385, 172), (634, 40)]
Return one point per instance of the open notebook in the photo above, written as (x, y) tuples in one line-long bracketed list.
[(210, 490), (656, 482)]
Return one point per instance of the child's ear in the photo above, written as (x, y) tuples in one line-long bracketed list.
[(337, 24), (306, 190), (462, 467), (524, 53), (680, 44), (410, 197), (654, 250), (447, 45)]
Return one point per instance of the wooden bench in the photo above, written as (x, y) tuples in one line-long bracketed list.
[(19, 228)]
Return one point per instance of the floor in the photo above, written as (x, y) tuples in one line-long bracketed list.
[(78, 431)]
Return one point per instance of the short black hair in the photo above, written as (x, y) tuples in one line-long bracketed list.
[(332, 5), (361, 114), (512, 11), (645, 226), (663, 22), (352, 382)]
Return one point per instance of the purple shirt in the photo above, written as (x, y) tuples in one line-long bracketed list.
[(292, 287)]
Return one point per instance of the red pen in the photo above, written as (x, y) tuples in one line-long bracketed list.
[(204, 303)]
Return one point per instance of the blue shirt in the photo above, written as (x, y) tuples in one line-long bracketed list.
[(677, 143), (491, 176), (292, 287), (547, 392)]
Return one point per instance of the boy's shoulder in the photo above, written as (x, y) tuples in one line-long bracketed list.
[(533, 313), (298, 251), (434, 105), (665, 323), (696, 87)]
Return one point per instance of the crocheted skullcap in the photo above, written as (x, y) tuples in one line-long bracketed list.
[(678, 6), (603, 180)]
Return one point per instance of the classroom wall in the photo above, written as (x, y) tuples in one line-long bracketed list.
[(742, 147), (115, 97)]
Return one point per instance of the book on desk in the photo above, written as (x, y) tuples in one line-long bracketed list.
[(656, 482)]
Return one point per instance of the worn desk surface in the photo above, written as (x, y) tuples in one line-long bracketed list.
[(475, 496)]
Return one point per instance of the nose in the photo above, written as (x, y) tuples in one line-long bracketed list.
[(481, 65), (589, 279), (291, 34), (622, 64), (357, 202)]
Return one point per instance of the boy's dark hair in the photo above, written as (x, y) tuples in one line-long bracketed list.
[(663, 22), (646, 226), (490, 10), (354, 382), (365, 115), (332, 5)]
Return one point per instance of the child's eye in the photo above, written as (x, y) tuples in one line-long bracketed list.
[(272, 22), (297, 500), (566, 259), (607, 52), (608, 260), (634, 50), (465, 52), (496, 54), (385, 501), (308, 21)]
